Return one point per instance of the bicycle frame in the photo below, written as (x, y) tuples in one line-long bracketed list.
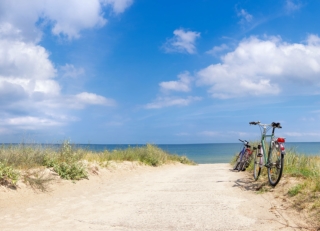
[(262, 145)]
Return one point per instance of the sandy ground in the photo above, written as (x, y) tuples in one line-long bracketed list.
[(171, 197)]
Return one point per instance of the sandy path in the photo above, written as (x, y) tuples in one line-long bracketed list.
[(203, 197)]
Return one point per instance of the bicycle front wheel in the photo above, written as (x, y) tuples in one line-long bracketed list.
[(236, 165), (275, 164), (257, 165)]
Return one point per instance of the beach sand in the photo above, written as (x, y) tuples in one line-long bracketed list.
[(135, 197)]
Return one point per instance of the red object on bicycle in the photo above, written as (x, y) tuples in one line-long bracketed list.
[(281, 140), (249, 151)]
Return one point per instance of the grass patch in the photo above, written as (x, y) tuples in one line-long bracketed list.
[(293, 191), (69, 162), (8, 175), (149, 155)]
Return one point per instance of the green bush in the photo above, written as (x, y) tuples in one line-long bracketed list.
[(8, 176), (72, 171)]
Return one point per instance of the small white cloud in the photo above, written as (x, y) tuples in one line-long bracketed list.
[(70, 70), (245, 16), (183, 84), (94, 99), (291, 6), (182, 42), (31, 122), (118, 6), (162, 102), (217, 49)]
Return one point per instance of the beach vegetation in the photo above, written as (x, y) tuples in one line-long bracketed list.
[(8, 175), (28, 161)]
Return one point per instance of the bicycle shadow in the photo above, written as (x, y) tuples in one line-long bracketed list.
[(246, 182)]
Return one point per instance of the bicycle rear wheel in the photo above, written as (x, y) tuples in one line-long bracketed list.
[(275, 164), (257, 165)]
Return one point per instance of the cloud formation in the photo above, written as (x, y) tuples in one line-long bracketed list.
[(291, 6), (169, 91), (30, 93), (217, 49), (67, 18), (183, 84), (118, 6), (182, 42), (245, 16), (262, 66)]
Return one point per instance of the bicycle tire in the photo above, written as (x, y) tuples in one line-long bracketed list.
[(275, 164), (245, 161), (236, 165), (257, 165), (242, 161)]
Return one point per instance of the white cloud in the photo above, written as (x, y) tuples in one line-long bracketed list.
[(245, 16), (119, 6), (259, 67), (162, 102), (291, 6), (182, 42), (69, 70), (30, 94), (217, 49), (26, 66), (86, 98), (67, 18), (183, 84), (31, 122)]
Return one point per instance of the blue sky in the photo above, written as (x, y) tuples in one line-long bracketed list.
[(141, 71)]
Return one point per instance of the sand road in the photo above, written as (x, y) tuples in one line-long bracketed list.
[(172, 197)]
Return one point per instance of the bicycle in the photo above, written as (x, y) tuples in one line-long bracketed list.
[(275, 155), (244, 157)]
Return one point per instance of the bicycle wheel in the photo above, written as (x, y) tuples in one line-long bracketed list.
[(257, 165), (275, 164), (236, 165), (244, 161)]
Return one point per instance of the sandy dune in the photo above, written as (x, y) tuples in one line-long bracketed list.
[(172, 197)]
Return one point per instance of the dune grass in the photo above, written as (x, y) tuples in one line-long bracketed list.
[(69, 162)]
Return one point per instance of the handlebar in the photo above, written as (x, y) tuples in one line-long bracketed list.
[(246, 143), (273, 124)]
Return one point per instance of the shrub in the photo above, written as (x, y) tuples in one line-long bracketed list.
[(8, 176)]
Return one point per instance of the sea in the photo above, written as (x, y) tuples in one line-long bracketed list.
[(208, 153)]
